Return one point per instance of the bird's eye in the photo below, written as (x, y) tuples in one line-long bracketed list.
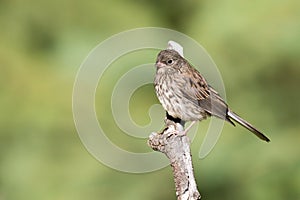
[(170, 61)]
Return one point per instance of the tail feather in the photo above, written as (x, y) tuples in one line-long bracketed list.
[(247, 125)]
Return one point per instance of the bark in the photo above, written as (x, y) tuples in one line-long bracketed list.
[(176, 147)]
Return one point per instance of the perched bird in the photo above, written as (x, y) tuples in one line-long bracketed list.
[(185, 94)]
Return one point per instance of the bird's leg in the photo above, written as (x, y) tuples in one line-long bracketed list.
[(179, 124), (190, 126), (187, 129)]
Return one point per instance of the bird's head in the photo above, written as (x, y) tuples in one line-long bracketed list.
[(168, 59)]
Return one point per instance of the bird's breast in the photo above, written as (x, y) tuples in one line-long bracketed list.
[(169, 92)]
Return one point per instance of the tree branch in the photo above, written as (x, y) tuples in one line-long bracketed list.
[(177, 148)]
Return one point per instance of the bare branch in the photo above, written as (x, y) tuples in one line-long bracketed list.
[(177, 148)]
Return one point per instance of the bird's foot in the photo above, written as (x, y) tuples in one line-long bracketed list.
[(184, 132)]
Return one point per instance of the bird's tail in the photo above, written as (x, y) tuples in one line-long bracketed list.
[(247, 125)]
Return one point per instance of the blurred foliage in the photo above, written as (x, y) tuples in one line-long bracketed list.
[(255, 44)]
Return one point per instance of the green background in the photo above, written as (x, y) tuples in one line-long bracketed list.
[(255, 44)]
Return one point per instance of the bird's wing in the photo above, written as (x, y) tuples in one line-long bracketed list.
[(196, 88)]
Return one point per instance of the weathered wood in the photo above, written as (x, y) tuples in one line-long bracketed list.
[(176, 147)]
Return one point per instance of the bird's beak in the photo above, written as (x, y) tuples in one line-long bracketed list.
[(159, 64)]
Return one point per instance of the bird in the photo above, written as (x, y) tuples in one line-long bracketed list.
[(185, 94)]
